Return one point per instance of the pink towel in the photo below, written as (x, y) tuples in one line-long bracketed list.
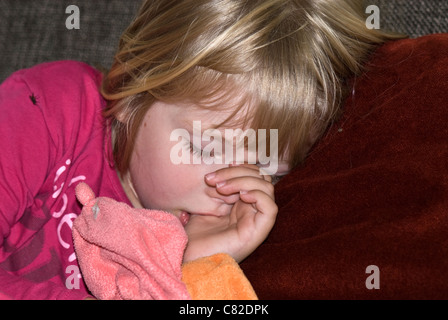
[(127, 253)]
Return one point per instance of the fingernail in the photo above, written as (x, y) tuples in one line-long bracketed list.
[(210, 176), (243, 192), (220, 184)]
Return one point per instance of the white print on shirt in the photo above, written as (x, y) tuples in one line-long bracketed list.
[(67, 218)]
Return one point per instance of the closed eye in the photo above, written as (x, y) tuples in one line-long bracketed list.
[(197, 152)]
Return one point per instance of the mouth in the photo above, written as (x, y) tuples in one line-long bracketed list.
[(184, 217)]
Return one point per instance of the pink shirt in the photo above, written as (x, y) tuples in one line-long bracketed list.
[(52, 136)]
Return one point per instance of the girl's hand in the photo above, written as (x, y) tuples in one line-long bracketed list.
[(249, 223)]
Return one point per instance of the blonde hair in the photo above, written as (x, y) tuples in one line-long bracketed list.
[(293, 58)]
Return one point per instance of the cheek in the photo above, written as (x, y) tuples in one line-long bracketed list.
[(179, 178), (161, 184)]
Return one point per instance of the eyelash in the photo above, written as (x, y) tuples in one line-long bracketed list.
[(195, 151)]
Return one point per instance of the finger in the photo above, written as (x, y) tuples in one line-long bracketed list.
[(232, 172), (234, 185), (266, 208), (228, 199)]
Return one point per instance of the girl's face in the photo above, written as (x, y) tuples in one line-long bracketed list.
[(155, 182)]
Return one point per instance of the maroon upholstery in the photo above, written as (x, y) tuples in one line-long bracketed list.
[(374, 190)]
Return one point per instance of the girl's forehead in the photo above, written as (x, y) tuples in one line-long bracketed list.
[(228, 107), (210, 118), (223, 115)]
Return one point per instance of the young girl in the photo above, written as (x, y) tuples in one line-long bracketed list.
[(266, 64)]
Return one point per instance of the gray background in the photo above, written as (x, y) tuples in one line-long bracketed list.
[(33, 31)]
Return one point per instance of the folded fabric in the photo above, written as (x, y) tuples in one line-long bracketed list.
[(136, 254), (127, 253)]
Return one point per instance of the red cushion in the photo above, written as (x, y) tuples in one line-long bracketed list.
[(374, 190)]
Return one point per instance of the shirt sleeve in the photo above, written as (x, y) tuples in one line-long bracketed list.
[(25, 158), (25, 146)]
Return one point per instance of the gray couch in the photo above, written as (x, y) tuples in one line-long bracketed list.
[(34, 31)]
